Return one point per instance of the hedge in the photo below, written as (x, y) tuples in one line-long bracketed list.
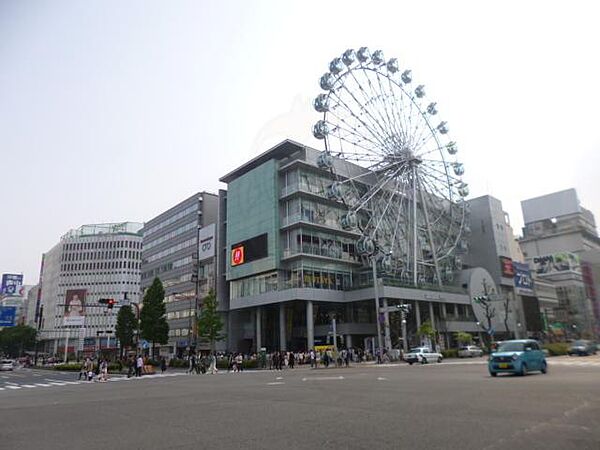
[(557, 348), (450, 353)]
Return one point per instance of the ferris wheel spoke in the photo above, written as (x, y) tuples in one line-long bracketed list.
[(382, 122), (368, 126), (387, 108), (389, 201), (376, 128)]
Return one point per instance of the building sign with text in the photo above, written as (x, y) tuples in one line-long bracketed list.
[(522, 279), (206, 242), (556, 262)]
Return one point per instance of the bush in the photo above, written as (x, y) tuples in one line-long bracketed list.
[(557, 348), (152, 362), (179, 363), (69, 367), (450, 353)]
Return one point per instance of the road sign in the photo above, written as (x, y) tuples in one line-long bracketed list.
[(491, 332), (145, 344), (7, 316)]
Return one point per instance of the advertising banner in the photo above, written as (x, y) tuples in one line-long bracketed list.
[(557, 262), (75, 307), (8, 315), (206, 242), (523, 280), (12, 284), (506, 267)]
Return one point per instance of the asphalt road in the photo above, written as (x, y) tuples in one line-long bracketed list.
[(449, 405)]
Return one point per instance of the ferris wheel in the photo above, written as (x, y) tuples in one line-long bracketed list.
[(395, 169)]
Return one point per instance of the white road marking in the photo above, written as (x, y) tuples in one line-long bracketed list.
[(322, 378), (381, 379), (279, 378), (42, 384), (10, 386), (1, 389), (58, 384), (27, 385), (275, 383)]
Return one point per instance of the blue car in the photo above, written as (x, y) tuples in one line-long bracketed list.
[(519, 357)]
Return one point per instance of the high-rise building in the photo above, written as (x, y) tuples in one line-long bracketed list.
[(557, 231), (179, 248), (92, 262)]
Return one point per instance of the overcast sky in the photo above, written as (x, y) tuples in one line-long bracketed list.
[(114, 111)]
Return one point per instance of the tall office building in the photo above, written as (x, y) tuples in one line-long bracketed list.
[(88, 263), (557, 231), (179, 248)]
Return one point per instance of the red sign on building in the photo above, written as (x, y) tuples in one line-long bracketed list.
[(237, 256)]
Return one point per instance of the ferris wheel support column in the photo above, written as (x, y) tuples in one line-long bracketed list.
[(414, 220), (377, 307), (430, 235)]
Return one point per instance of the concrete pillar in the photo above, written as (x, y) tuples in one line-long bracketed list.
[(417, 313), (282, 337), (386, 325), (258, 328), (431, 317), (348, 341), (310, 326)]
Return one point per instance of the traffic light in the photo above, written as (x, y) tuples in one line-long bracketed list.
[(480, 298), (109, 302)]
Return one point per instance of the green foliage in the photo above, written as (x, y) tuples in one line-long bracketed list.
[(179, 363), (69, 367), (557, 349), (126, 326), (223, 363), (210, 324), (15, 340), (463, 338), (426, 330), (153, 322), (450, 353)]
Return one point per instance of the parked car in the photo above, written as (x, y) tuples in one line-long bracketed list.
[(519, 357), (422, 355), (582, 348), (469, 351), (7, 364)]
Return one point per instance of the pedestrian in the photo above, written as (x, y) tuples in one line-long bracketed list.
[(130, 366), (163, 365), (313, 358), (83, 371), (292, 360), (103, 370), (275, 360), (239, 361), (139, 365), (192, 363)]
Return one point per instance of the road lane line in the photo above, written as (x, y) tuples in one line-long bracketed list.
[(275, 383), (322, 378), (27, 385), (10, 386), (42, 384)]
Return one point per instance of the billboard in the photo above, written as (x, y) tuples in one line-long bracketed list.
[(506, 267), (12, 284), (8, 315), (75, 307), (206, 242), (555, 263), (522, 279), (249, 250)]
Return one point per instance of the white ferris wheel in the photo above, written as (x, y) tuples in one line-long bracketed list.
[(395, 169)]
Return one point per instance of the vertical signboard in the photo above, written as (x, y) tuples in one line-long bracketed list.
[(75, 307), (12, 284), (7, 316), (522, 279), (206, 242), (506, 267)]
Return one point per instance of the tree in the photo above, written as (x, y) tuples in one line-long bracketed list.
[(463, 338), (153, 323), (210, 324), (15, 340), (127, 323), (426, 330), (507, 311)]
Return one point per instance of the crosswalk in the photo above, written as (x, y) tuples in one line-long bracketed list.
[(9, 386)]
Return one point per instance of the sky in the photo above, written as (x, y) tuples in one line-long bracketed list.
[(114, 111)]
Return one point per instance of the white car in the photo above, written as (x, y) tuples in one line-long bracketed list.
[(469, 351), (422, 355), (7, 364)]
